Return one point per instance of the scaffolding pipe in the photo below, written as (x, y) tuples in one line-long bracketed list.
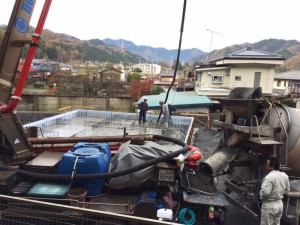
[(41, 149), (64, 140)]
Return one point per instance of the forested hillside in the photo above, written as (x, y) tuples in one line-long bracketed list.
[(288, 48), (155, 54), (65, 48)]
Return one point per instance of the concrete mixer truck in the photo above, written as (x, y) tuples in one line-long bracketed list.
[(255, 127)]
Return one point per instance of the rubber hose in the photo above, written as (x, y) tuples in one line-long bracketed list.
[(67, 177), (187, 213)]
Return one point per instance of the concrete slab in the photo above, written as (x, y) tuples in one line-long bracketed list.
[(80, 123)]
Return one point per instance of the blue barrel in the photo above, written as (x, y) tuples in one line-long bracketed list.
[(89, 159), (102, 147)]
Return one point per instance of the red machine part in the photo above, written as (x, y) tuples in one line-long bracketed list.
[(194, 156)]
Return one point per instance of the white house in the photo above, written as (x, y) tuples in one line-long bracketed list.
[(288, 79), (245, 68)]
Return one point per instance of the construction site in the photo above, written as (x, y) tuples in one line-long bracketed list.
[(80, 123), (89, 167), (54, 137)]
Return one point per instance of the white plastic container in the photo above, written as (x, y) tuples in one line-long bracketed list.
[(165, 214)]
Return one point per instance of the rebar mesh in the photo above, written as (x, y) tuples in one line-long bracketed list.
[(105, 123)]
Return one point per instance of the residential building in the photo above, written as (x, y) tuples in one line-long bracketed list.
[(245, 68), (33, 75), (165, 80), (38, 61), (121, 68), (187, 81), (110, 75), (148, 68), (288, 79), (44, 67), (68, 69)]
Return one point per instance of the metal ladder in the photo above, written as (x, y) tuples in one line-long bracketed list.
[(269, 140), (264, 140), (293, 194)]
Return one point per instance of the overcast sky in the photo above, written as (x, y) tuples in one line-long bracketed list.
[(156, 23)]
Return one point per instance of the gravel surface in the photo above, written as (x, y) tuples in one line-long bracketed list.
[(206, 140)]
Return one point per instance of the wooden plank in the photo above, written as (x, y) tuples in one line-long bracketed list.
[(195, 114), (65, 108), (208, 125)]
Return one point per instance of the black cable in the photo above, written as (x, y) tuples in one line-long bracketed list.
[(178, 56), (68, 178)]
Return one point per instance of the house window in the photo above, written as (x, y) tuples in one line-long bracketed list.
[(278, 83), (237, 78), (217, 79), (257, 76), (285, 83)]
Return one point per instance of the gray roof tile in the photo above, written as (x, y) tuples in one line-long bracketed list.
[(249, 53), (288, 75)]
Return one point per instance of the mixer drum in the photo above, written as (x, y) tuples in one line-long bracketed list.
[(290, 118)]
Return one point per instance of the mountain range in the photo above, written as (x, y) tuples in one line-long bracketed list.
[(155, 54), (287, 48), (65, 48)]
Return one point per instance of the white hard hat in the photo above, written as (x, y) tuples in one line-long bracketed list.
[(169, 103)]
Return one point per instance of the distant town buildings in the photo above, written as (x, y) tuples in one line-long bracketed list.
[(148, 68), (165, 79), (244, 68)]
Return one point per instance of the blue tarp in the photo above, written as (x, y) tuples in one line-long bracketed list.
[(178, 99)]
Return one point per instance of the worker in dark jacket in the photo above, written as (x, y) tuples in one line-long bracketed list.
[(143, 106), (172, 109)]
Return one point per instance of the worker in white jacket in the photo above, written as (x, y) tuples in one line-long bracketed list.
[(273, 187), (165, 112)]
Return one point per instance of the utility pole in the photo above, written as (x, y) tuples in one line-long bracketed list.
[(212, 36)]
